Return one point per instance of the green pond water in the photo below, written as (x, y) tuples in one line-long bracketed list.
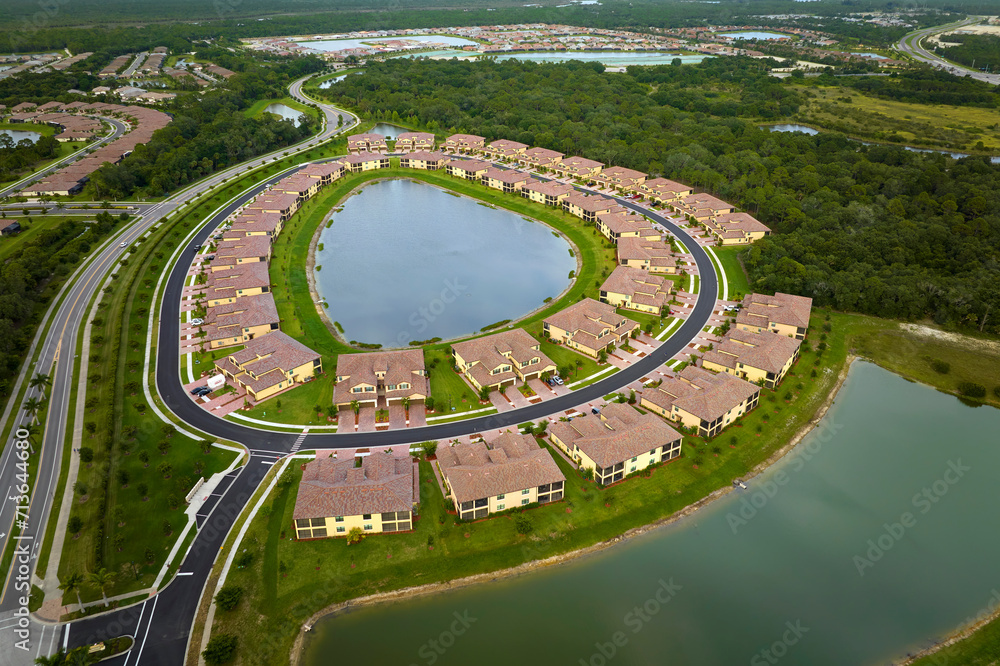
[(873, 538)]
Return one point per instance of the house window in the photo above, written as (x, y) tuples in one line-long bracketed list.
[(635, 459), (523, 502), (501, 496), (339, 519), (341, 529), (525, 491), (500, 507), (367, 516), (368, 527)]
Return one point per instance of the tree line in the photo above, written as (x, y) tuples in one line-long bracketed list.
[(873, 229)]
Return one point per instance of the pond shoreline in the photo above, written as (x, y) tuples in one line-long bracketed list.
[(298, 647)]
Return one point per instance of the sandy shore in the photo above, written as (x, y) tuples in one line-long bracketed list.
[(528, 567)]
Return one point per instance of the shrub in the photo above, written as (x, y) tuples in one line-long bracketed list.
[(86, 454), (220, 650), (940, 367), (122, 476), (430, 448), (168, 529), (229, 597), (522, 524), (972, 390), (143, 490), (245, 558), (164, 469), (74, 525)]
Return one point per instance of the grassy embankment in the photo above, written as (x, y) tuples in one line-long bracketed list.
[(300, 319), (938, 126), (259, 106), (287, 581)]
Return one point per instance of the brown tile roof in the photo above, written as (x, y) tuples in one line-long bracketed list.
[(627, 223), (361, 158), (507, 464), (511, 347), (225, 283), (464, 140), (577, 164), (275, 351), (617, 174), (704, 394), (742, 223), (505, 176), (761, 309), (705, 201), (426, 156), (657, 253), (469, 166), (591, 203), (273, 201), (229, 319), (505, 147), (588, 319), (541, 156), (636, 283), (617, 434), (550, 188), (333, 487), (334, 169), (765, 350), (419, 137), (661, 185), (381, 370)]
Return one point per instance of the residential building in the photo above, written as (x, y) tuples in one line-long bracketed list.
[(589, 326), (589, 206), (247, 250), (615, 226), (621, 178), (227, 285), (550, 193), (737, 228), (784, 314), (654, 256), (9, 227), (386, 376), (325, 173), (300, 185), (464, 143), (502, 149), (701, 206), (376, 493), (254, 223), (242, 320), (759, 357), (701, 399), (269, 364), (617, 442), (424, 160), (499, 360), (578, 167), (635, 289), (411, 142), (506, 181), (360, 162), (285, 205), (367, 143), (510, 471), (541, 158), (467, 169)]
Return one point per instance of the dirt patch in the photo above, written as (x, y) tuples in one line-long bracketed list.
[(974, 344)]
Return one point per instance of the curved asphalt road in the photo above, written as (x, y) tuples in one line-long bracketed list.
[(912, 45)]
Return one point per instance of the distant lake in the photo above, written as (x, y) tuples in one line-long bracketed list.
[(341, 44), (329, 82), (812, 562), (387, 130), (754, 34), (20, 135), (791, 127), (285, 112), (614, 58), (407, 261), (873, 55)]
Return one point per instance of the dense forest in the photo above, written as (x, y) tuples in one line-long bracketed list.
[(15, 157), (208, 132), (980, 51), (873, 229), (53, 253)]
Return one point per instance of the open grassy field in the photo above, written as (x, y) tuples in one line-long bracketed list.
[(735, 275), (9, 245), (63, 150), (964, 128)]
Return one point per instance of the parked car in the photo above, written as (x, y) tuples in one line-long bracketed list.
[(203, 391), (197, 321), (595, 410), (210, 257), (198, 389), (558, 380)]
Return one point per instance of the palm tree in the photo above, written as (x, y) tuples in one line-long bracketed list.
[(356, 406), (58, 659), (32, 406), (100, 580), (406, 405), (79, 657), (39, 381), (73, 583)]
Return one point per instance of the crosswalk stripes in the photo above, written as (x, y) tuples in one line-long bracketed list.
[(298, 442)]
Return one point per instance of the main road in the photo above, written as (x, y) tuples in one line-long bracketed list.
[(912, 45), (161, 630), (56, 352)]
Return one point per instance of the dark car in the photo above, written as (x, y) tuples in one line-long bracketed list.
[(198, 389), (204, 390), (595, 410)]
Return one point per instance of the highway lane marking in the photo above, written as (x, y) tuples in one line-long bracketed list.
[(138, 624), (149, 623), (185, 573)]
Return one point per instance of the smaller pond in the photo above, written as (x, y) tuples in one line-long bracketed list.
[(285, 112), (614, 58), (873, 55), (388, 131), (754, 34), (403, 261), (341, 44), (21, 135), (793, 128), (329, 82)]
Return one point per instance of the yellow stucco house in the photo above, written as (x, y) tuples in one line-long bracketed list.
[(227, 285), (381, 378), (784, 314), (506, 181), (635, 289), (501, 359), (423, 160), (702, 400), (589, 326), (270, 364), (508, 472), (467, 169), (615, 226), (409, 142), (617, 442), (365, 162), (464, 143), (759, 357), (662, 190), (238, 322), (376, 493), (653, 256), (550, 193)]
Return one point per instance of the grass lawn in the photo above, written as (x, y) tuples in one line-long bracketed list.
[(9, 245), (735, 275), (928, 125), (62, 151), (982, 648), (44, 130), (451, 393)]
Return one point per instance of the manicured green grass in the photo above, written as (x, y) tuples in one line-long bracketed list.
[(9, 245), (450, 391), (44, 130), (980, 649), (736, 276), (289, 580), (298, 406)]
